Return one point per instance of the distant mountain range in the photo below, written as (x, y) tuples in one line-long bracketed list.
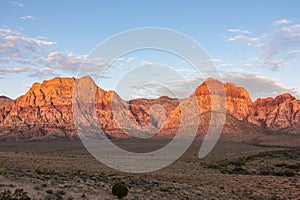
[(45, 111)]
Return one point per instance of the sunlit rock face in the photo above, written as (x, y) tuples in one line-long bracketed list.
[(280, 113)]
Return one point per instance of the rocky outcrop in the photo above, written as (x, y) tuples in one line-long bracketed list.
[(154, 111), (224, 101), (46, 111), (280, 113), (238, 101)]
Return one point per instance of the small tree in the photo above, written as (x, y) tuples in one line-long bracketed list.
[(120, 190)]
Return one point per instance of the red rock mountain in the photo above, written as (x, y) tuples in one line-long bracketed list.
[(46, 111)]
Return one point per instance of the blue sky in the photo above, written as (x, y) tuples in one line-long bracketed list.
[(255, 44)]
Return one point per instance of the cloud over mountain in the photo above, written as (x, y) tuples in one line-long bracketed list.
[(276, 47)]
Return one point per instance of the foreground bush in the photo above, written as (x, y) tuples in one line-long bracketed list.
[(120, 190)]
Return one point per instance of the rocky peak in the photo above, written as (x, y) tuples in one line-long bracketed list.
[(269, 102), (57, 91), (236, 92), (4, 101), (238, 101), (283, 98), (209, 87), (214, 87)]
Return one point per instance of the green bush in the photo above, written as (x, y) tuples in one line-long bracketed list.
[(120, 190), (19, 194)]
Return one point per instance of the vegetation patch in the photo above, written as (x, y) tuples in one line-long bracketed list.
[(18, 194), (274, 163)]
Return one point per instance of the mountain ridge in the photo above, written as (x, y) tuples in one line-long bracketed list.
[(46, 111)]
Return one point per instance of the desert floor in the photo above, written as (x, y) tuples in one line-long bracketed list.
[(60, 169)]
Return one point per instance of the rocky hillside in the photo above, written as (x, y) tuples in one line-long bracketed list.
[(46, 111)]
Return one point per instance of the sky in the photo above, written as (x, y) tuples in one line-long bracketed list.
[(254, 44)]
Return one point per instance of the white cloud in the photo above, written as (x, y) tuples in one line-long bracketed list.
[(225, 65), (17, 3), (44, 72), (294, 52), (65, 63), (215, 60), (274, 64), (119, 59), (34, 53), (248, 65), (8, 45), (282, 21), (14, 70), (144, 62), (5, 32), (185, 70), (37, 41), (275, 48), (27, 17), (237, 30), (123, 60), (237, 37), (259, 86), (130, 59), (255, 42)]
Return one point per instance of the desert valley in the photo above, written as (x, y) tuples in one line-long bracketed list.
[(257, 156), (149, 100)]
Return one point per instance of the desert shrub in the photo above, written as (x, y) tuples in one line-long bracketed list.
[(295, 166), (49, 191), (239, 170), (19, 194), (52, 197), (44, 185), (280, 165), (120, 190), (60, 193), (287, 173), (48, 197), (38, 171), (3, 170), (163, 189), (266, 172)]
